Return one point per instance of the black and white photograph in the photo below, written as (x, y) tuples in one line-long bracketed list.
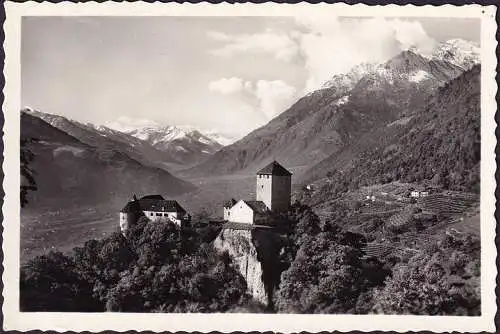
[(254, 164)]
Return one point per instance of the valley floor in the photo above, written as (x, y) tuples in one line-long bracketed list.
[(62, 230)]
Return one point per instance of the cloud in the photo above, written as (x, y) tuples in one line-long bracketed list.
[(229, 86), (279, 44), (126, 124), (269, 97), (274, 96), (323, 47), (328, 45), (331, 45)]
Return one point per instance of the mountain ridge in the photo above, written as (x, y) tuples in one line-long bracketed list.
[(69, 172), (108, 138), (188, 145), (324, 121), (416, 148)]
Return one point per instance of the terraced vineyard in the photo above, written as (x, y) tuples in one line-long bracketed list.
[(377, 250), (448, 205), (380, 209), (403, 217), (381, 250)]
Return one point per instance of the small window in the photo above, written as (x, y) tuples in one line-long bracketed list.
[(262, 186), (229, 213), (158, 214), (150, 213)]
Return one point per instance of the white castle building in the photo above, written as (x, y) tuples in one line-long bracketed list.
[(155, 208), (273, 195)]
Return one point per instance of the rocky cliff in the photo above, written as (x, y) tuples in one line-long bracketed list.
[(239, 245), (255, 253)]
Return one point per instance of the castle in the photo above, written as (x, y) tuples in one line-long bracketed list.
[(273, 195), (155, 208)]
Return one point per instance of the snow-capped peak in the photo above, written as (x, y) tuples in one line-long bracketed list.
[(459, 52), (350, 78), (419, 76), (155, 132)]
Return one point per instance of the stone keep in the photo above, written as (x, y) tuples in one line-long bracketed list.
[(274, 187)]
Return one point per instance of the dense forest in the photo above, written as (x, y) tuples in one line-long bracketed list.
[(157, 268), (162, 268)]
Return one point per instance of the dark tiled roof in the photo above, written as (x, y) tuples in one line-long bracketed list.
[(160, 205), (257, 206), (274, 168), (154, 203), (230, 204), (132, 206), (156, 197)]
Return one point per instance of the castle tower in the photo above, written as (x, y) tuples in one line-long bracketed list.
[(274, 187)]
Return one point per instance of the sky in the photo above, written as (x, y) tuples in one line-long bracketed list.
[(224, 74)]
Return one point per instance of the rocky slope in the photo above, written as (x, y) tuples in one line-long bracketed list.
[(330, 119), (239, 245), (255, 252)]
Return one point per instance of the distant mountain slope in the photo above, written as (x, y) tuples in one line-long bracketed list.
[(70, 173), (103, 137), (439, 143), (327, 120), (187, 145)]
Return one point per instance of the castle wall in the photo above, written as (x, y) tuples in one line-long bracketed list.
[(281, 193), (227, 213), (274, 191), (241, 213), (158, 216), (124, 225), (264, 189)]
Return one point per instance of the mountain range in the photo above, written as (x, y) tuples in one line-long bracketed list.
[(81, 168), (347, 106), (413, 119), (187, 144), (166, 147), (324, 131), (438, 144)]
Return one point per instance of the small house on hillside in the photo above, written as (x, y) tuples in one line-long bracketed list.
[(416, 194), (155, 208)]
